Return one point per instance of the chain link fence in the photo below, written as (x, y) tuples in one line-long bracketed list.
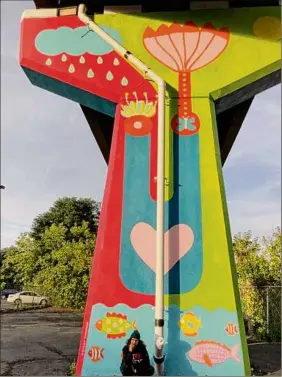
[(262, 312)]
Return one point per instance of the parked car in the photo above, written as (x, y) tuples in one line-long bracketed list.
[(6, 292), (28, 298)]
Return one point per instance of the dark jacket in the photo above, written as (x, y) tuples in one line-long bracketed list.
[(138, 359)]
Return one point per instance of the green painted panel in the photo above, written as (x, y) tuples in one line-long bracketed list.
[(71, 92)]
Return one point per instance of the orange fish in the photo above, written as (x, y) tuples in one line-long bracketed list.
[(231, 329), (96, 353)]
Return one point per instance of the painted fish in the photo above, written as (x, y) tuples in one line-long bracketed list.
[(96, 353), (190, 324), (115, 325), (209, 352), (231, 329)]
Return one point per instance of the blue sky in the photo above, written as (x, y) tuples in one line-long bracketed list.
[(47, 150)]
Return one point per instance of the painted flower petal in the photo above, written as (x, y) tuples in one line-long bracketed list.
[(185, 47)]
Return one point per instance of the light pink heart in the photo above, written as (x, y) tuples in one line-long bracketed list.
[(178, 240)]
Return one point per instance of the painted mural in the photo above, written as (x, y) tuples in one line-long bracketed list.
[(202, 56)]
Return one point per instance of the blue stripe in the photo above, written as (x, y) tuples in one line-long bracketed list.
[(183, 208)]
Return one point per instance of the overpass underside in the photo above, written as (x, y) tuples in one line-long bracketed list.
[(230, 110)]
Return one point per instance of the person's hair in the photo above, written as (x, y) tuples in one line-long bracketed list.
[(141, 343)]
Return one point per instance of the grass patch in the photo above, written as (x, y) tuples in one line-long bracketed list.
[(71, 371)]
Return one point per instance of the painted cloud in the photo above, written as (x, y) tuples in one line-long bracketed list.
[(74, 41)]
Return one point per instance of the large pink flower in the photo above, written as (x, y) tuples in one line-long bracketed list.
[(185, 47)]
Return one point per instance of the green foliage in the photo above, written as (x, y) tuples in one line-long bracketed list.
[(2, 285), (70, 212), (259, 267), (272, 254), (66, 282), (55, 258), (7, 277), (18, 264), (72, 369)]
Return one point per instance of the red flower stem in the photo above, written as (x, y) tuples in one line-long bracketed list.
[(184, 95)]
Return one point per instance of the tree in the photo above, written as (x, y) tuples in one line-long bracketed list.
[(64, 273), (246, 250), (7, 277), (272, 254), (258, 267), (19, 262), (55, 258), (258, 261), (70, 212)]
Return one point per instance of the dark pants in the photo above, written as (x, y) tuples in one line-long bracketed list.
[(128, 371)]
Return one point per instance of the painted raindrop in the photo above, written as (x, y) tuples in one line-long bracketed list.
[(90, 73), (100, 60), (109, 76), (48, 61), (71, 68), (64, 58), (124, 81), (116, 61), (82, 60)]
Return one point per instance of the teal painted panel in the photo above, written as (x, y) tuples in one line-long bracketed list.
[(183, 209), (181, 351), (75, 94), (74, 42)]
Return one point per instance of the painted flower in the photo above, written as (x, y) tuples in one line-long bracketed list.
[(186, 47), (138, 114)]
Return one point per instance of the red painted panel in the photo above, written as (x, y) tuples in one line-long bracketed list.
[(105, 284), (58, 69)]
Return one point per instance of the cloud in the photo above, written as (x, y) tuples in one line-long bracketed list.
[(11, 232), (74, 41), (259, 140), (257, 209), (259, 217), (252, 172), (269, 108)]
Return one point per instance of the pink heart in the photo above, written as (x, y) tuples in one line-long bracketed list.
[(178, 240)]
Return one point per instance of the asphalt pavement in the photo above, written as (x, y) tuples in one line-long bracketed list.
[(39, 342), (266, 357)]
